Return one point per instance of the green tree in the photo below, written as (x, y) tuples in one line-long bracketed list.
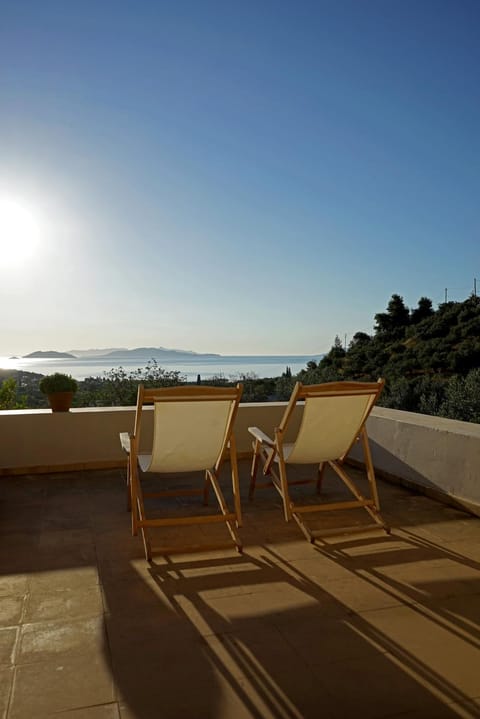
[(462, 398), (395, 320), (8, 395), (119, 388), (422, 311)]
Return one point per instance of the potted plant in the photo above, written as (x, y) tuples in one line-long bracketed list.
[(59, 389)]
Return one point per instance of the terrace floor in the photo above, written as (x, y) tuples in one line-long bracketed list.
[(369, 626)]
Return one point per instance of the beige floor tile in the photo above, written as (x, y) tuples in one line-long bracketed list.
[(280, 599), (65, 538), (114, 545), (359, 626), (220, 693), (133, 637), (116, 569), (459, 527), (74, 516), (13, 584), (104, 711), (22, 519), (43, 689), (290, 550), (44, 640), (11, 609), (357, 584), (63, 603), (64, 576), (17, 559), (431, 578), (436, 645), (23, 490), (6, 683), (135, 596), (466, 709), (461, 613), (329, 641), (8, 639), (382, 687), (468, 550)]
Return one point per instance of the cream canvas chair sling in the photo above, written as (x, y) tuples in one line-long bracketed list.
[(192, 431), (334, 417)]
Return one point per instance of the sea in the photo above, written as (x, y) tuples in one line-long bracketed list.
[(230, 367)]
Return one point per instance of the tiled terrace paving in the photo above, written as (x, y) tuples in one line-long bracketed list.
[(369, 626)]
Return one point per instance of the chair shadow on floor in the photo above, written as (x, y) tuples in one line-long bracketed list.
[(286, 646), (279, 631)]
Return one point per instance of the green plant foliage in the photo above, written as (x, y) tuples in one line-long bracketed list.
[(8, 395), (427, 358), (58, 382), (119, 388), (462, 398)]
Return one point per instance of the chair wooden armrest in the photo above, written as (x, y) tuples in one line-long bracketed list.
[(125, 441), (261, 436)]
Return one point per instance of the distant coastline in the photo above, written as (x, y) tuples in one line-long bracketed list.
[(141, 353), (50, 354), (190, 365)]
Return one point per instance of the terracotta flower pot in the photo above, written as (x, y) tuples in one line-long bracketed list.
[(60, 401)]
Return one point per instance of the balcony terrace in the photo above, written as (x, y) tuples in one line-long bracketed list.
[(369, 626)]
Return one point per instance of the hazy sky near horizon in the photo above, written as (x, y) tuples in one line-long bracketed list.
[(242, 178)]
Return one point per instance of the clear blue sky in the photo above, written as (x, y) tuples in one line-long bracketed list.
[(246, 177)]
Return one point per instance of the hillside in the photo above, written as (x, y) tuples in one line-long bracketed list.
[(50, 354), (429, 358), (158, 353)]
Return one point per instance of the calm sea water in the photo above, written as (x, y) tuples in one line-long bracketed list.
[(228, 366)]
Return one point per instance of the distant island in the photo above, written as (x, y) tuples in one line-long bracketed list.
[(140, 353), (51, 354), (86, 354), (156, 353)]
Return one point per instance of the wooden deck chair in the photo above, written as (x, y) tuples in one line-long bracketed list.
[(334, 418), (192, 431)]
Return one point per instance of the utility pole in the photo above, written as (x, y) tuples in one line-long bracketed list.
[(345, 342), (475, 287), (446, 291)]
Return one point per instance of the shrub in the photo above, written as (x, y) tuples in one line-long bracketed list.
[(58, 382)]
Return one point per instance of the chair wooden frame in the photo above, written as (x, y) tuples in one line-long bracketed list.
[(275, 458), (136, 497)]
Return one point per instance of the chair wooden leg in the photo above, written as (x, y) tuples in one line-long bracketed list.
[(372, 511), (235, 481), (253, 472), (133, 497), (321, 472), (287, 509), (224, 509), (369, 467), (138, 513), (206, 488), (129, 490), (146, 545)]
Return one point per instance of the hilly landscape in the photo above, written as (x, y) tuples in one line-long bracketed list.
[(430, 359)]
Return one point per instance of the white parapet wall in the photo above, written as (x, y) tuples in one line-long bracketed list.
[(43, 441), (435, 455)]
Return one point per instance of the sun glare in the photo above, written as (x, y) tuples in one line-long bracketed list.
[(20, 232)]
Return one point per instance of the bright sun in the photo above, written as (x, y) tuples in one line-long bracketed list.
[(20, 232)]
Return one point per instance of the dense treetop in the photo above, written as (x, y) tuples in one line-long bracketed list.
[(429, 358)]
